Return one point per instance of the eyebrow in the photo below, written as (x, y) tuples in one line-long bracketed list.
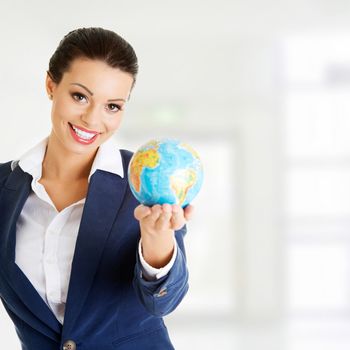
[(91, 93)]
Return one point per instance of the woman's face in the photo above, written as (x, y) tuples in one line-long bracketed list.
[(88, 104)]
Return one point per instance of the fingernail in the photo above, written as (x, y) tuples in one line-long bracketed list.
[(167, 207)]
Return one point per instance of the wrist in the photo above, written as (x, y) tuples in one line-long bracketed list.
[(157, 252)]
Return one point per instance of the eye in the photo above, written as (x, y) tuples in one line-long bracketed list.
[(112, 107), (78, 96)]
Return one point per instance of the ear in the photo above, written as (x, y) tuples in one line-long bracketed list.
[(50, 84)]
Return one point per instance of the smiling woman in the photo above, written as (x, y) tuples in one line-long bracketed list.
[(93, 114), (87, 266)]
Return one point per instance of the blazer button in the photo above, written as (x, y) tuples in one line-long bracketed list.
[(69, 345)]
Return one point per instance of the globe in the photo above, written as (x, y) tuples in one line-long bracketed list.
[(165, 171)]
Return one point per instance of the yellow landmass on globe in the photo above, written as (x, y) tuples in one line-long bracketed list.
[(147, 158), (181, 181), (189, 149)]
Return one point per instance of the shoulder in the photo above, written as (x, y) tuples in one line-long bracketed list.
[(126, 156), (5, 170)]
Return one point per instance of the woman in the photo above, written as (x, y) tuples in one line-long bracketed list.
[(82, 264)]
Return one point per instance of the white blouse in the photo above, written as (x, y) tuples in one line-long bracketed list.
[(46, 238)]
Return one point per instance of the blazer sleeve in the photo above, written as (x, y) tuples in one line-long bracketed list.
[(162, 296)]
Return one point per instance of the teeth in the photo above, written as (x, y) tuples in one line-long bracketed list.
[(84, 135)]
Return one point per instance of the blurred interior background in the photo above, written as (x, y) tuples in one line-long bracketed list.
[(261, 89)]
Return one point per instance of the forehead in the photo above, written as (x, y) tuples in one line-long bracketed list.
[(98, 76)]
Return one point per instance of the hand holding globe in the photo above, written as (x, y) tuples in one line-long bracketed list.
[(157, 225), (164, 176)]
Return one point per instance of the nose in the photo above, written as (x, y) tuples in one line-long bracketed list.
[(91, 117)]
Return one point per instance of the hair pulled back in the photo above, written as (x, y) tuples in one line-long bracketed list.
[(93, 43)]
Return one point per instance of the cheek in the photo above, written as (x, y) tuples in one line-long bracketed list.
[(113, 125), (63, 110)]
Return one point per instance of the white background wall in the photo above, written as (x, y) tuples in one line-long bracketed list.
[(247, 83)]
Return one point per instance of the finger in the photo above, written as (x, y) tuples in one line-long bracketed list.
[(188, 212), (156, 210), (141, 211), (163, 222), (178, 219)]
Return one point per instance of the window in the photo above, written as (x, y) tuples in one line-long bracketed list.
[(317, 133)]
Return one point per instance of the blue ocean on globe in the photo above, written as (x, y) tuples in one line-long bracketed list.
[(165, 171)]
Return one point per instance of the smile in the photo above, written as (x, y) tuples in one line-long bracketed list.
[(82, 136)]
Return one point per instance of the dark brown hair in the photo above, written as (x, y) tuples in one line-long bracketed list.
[(93, 43)]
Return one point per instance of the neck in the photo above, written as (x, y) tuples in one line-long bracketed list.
[(62, 165)]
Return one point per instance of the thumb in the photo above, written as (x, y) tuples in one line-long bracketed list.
[(188, 212)]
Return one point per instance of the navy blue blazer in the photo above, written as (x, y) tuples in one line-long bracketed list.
[(109, 305)]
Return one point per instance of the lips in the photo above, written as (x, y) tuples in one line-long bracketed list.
[(82, 139)]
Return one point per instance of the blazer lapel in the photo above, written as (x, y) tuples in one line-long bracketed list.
[(105, 195), (12, 198)]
